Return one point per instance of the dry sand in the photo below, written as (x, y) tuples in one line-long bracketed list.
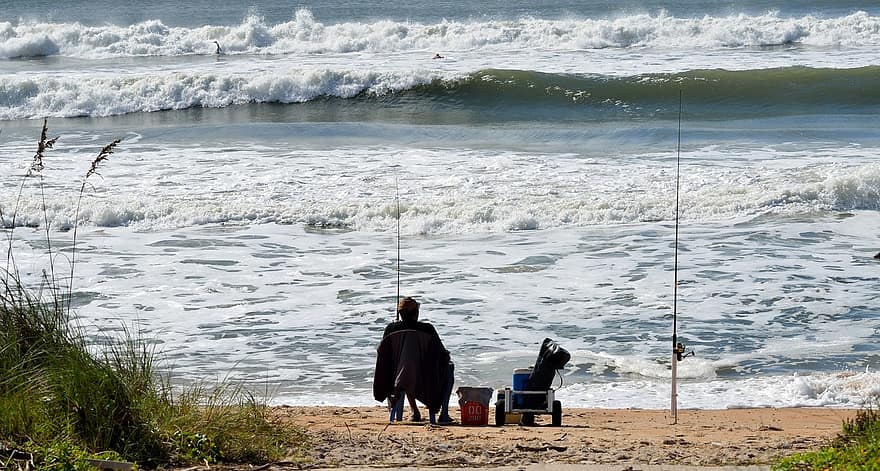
[(628, 439)]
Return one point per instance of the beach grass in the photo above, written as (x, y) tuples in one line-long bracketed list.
[(66, 397), (856, 448)]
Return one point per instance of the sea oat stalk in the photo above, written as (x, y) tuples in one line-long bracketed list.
[(36, 168), (93, 170)]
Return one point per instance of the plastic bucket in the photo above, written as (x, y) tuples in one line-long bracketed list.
[(474, 413), (474, 403)]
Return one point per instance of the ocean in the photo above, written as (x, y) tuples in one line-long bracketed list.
[(268, 204)]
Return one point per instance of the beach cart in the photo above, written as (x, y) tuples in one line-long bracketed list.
[(531, 393), (517, 405)]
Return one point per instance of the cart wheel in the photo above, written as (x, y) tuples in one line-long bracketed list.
[(557, 414), (500, 413)]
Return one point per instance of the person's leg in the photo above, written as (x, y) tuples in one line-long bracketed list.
[(395, 404), (416, 415), (447, 392)]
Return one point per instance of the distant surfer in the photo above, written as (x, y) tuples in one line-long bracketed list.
[(877, 256), (219, 50), (437, 56)]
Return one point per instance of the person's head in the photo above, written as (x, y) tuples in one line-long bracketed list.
[(408, 308)]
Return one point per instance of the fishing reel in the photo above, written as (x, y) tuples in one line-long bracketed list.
[(680, 353)]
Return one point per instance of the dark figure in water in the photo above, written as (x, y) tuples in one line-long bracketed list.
[(877, 256), (218, 51)]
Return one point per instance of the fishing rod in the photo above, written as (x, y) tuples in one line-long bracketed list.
[(397, 197), (678, 350)]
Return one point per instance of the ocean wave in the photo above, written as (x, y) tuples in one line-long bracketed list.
[(757, 91), (552, 195), (840, 389), (33, 97), (306, 35), (767, 92)]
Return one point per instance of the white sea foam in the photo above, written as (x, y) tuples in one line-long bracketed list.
[(252, 301), (810, 390), (850, 390), (539, 191), (307, 35)]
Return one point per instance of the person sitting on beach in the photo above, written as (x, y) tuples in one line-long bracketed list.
[(412, 361)]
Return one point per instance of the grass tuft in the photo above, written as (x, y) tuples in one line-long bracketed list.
[(63, 400), (856, 448)]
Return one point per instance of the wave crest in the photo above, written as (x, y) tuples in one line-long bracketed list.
[(107, 96), (306, 35), (710, 92)]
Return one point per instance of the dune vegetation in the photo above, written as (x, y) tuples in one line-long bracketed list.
[(67, 397), (856, 448)]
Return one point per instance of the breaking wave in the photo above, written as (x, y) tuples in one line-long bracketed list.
[(766, 92), (306, 35)]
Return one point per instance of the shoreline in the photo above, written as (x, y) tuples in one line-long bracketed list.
[(352, 437)]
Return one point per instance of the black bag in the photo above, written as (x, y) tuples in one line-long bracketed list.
[(551, 357)]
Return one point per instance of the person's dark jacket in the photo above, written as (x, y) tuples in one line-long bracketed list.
[(410, 324), (411, 358)]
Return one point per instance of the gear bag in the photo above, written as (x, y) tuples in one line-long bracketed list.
[(551, 357)]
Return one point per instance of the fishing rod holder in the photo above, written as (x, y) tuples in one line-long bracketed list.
[(680, 353)]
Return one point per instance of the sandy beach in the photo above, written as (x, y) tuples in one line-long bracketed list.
[(362, 437)]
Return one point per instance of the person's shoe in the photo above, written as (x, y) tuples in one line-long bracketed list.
[(446, 421)]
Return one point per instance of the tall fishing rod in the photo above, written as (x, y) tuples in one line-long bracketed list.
[(675, 352), (397, 193), (678, 350)]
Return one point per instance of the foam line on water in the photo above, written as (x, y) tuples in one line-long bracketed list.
[(452, 191)]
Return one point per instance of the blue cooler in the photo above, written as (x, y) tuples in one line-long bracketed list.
[(520, 376)]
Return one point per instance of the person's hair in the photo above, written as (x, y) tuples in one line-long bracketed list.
[(408, 308)]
